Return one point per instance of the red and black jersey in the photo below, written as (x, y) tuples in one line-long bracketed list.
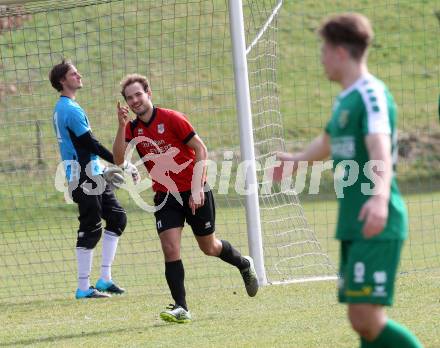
[(162, 144)]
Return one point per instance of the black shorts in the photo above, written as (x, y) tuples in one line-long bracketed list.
[(173, 214), (94, 207)]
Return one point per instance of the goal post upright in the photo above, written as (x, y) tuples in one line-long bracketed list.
[(244, 118)]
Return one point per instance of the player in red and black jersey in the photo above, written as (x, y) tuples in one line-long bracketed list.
[(171, 151)]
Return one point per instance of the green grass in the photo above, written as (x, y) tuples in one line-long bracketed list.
[(300, 315), (404, 55), (295, 315)]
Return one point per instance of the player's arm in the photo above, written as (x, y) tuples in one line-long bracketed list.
[(120, 144), (317, 150), (201, 154), (91, 144), (78, 125), (374, 212), (197, 198)]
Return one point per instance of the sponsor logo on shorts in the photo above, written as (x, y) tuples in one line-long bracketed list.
[(380, 277), (365, 291), (208, 225), (379, 291), (359, 272)]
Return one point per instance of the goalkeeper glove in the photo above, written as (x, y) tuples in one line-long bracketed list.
[(131, 169), (113, 176)]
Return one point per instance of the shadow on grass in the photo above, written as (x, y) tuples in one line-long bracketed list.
[(97, 333), (54, 339)]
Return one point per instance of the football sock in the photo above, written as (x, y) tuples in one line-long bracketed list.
[(109, 246), (84, 258), (175, 275), (232, 256), (393, 335)]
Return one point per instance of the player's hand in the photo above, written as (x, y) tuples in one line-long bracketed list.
[(123, 117), (279, 173), (196, 200), (131, 169), (113, 176), (374, 213)]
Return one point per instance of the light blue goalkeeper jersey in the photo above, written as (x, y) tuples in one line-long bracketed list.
[(70, 122)]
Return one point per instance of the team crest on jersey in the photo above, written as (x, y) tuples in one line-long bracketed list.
[(343, 118), (160, 128), (140, 131)]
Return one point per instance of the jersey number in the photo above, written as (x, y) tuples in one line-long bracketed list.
[(57, 129)]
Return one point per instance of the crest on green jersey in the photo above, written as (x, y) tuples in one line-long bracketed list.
[(343, 118)]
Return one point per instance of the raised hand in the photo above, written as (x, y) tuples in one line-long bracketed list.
[(123, 117)]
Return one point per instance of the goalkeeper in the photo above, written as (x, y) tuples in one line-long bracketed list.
[(175, 158), (94, 196), (372, 222)]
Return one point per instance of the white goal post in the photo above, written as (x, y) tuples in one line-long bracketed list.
[(244, 115)]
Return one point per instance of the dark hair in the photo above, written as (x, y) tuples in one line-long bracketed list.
[(59, 72), (351, 30), (132, 78)]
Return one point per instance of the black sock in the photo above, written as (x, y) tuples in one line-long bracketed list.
[(175, 275), (232, 256)]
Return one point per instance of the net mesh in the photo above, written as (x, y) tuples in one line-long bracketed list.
[(184, 47)]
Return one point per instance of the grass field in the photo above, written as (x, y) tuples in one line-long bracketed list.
[(295, 315), (185, 50)]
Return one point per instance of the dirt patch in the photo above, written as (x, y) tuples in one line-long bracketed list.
[(415, 146)]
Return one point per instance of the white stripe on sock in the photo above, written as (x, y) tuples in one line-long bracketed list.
[(109, 246), (84, 259)]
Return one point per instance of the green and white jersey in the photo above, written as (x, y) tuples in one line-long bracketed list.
[(366, 107)]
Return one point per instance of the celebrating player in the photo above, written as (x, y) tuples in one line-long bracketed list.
[(172, 152), (95, 198), (372, 221)]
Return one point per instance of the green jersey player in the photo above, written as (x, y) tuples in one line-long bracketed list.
[(372, 220)]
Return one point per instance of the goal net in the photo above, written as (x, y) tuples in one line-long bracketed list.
[(184, 48)]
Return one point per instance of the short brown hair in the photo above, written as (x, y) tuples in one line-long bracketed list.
[(133, 78), (59, 72), (351, 30)]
